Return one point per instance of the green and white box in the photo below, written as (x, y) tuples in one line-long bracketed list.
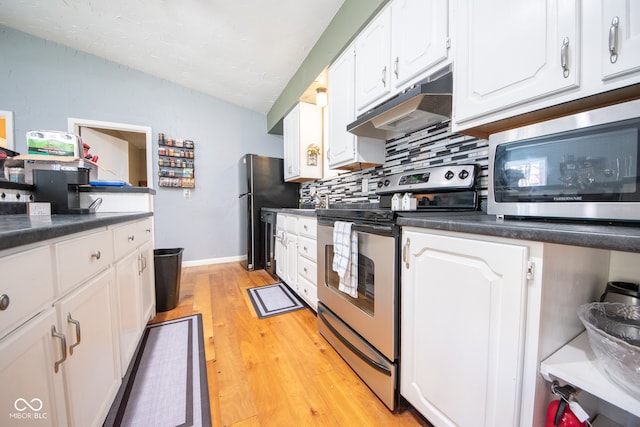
[(53, 143)]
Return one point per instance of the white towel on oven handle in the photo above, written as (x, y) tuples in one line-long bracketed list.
[(345, 257)]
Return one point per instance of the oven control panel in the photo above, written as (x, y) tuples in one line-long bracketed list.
[(437, 178)]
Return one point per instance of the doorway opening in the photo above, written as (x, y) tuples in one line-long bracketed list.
[(124, 151)]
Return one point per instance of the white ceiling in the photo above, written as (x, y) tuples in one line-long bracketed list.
[(241, 51)]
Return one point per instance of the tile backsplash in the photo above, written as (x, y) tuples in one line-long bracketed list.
[(431, 146)]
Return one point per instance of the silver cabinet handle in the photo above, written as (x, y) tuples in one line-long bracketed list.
[(78, 337), (4, 302), (384, 76), (96, 255), (148, 230), (613, 40), (63, 345), (405, 253), (305, 227), (396, 64), (131, 238), (564, 57)]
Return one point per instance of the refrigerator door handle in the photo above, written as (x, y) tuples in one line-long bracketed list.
[(244, 194)]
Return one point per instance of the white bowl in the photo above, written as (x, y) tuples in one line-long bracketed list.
[(614, 335)]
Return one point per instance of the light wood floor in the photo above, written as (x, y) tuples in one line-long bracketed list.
[(276, 371)]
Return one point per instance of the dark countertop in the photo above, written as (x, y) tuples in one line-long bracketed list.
[(18, 230), (294, 211), (83, 189), (600, 235)]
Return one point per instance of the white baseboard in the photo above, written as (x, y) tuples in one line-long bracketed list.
[(208, 261)]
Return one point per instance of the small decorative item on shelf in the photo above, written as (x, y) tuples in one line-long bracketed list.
[(312, 155), (176, 162)]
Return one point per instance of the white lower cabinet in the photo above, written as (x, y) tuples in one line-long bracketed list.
[(147, 281), (463, 307), (295, 253), (92, 369), (129, 306), (32, 392), (481, 314), (60, 359), (135, 293)]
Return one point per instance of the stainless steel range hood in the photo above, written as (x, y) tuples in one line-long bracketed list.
[(426, 103)]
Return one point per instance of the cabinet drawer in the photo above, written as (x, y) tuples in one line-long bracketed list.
[(80, 258), (145, 230), (309, 292), (308, 269), (308, 227), (292, 224), (308, 248), (27, 284), (126, 238)]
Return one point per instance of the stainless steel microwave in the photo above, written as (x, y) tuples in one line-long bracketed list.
[(583, 166)]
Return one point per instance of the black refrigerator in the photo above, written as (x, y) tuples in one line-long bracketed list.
[(262, 186)]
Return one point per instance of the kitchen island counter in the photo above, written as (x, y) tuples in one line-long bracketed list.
[(593, 234), (18, 230)]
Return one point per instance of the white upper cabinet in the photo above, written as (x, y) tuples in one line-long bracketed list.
[(518, 62), (511, 51), (373, 68), (622, 55), (419, 38), (402, 43), (302, 134), (345, 149)]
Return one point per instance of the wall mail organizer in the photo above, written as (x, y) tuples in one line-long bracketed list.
[(175, 162)]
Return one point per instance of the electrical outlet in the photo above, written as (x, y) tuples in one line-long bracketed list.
[(186, 193), (365, 185)]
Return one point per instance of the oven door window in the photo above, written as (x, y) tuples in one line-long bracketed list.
[(366, 281)]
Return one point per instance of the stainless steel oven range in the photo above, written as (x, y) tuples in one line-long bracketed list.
[(364, 330)]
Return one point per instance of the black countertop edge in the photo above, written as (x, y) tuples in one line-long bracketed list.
[(625, 238), (18, 230), (113, 189), (294, 211), (8, 185)]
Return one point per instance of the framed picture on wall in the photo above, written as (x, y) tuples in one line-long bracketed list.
[(6, 129)]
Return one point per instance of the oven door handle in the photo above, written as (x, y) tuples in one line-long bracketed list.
[(377, 366)]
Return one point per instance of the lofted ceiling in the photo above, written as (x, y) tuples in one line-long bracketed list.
[(240, 51)]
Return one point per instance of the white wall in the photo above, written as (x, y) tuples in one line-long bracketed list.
[(44, 84)]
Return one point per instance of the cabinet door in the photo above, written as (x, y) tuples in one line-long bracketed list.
[(32, 393), (419, 38), (291, 275), (508, 52), (147, 282), (462, 329), (291, 136), (92, 370), (373, 67), (129, 306), (341, 108), (280, 245), (621, 30)]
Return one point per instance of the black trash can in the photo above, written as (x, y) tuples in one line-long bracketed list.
[(168, 267)]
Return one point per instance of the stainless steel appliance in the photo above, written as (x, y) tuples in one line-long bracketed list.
[(268, 219), (423, 104), (364, 330), (262, 186), (583, 166)]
